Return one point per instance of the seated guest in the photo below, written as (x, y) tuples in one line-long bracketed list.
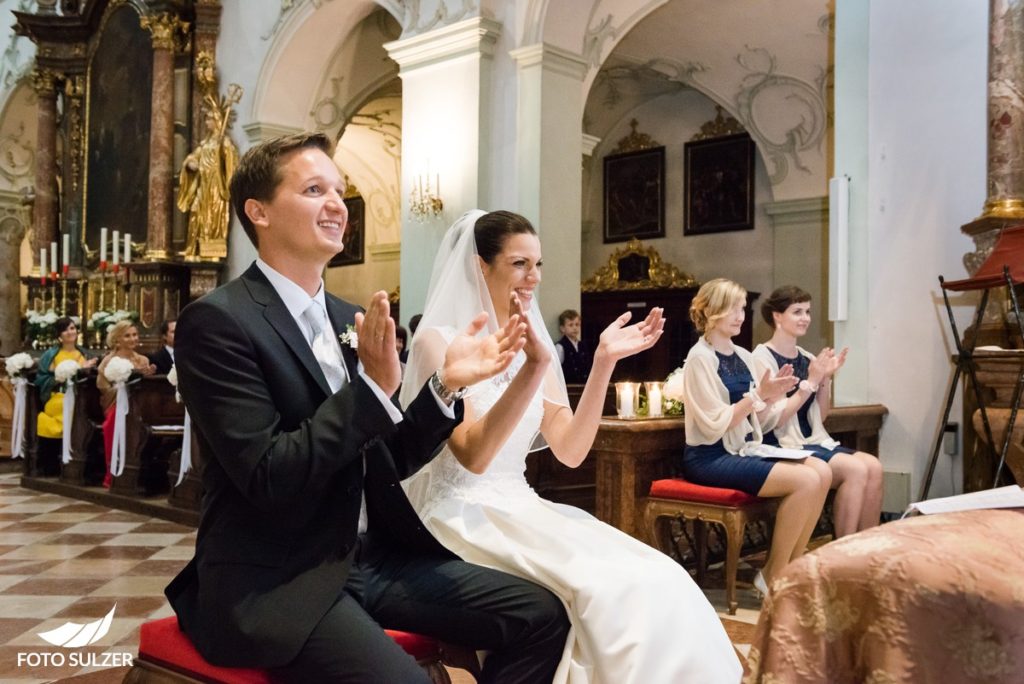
[(123, 339), (414, 323), (50, 422), (291, 571), (726, 414), (574, 356), (163, 358), (402, 344), (856, 476)]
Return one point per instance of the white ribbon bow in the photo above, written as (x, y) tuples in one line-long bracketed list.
[(69, 412), (117, 456), (186, 450), (18, 420)]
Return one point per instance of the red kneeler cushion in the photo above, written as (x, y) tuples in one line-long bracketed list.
[(161, 642), (681, 490)]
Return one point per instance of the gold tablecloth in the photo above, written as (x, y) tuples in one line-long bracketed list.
[(936, 598)]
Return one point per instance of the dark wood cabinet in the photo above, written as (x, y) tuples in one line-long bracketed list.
[(599, 309)]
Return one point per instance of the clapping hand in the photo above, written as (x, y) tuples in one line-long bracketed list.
[(470, 359), (821, 365), (535, 349), (619, 340), (376, 333), (771, 388)]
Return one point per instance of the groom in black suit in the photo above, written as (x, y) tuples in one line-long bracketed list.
[(297, 432)]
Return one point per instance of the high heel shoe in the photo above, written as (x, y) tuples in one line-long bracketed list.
[(760, 585)]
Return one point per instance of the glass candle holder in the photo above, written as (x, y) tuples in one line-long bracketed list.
[(627, 399), (654, 399)]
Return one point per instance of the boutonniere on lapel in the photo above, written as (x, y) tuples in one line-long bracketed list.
[(350, 336)]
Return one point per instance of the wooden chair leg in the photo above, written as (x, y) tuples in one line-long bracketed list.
[(700, 551), (735, 522)]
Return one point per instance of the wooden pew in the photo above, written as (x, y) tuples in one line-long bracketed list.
[(151, 402), (87, 464)]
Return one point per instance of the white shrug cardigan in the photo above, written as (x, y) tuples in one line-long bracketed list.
[(706, 406), (789, 433)]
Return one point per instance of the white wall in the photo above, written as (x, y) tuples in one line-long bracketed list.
[(925, 143)]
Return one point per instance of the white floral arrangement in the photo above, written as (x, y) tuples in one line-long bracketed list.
[(118, 370), (101, 320), (16, 363), (66, 370), (39, 327), (350, 336), (672, 393)]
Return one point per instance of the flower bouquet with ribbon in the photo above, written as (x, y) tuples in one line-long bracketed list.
[(186, 438), (117, 372), (16, 365), (65, 374)]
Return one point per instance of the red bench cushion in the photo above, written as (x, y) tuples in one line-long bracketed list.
[(680, 489), (161, 642)]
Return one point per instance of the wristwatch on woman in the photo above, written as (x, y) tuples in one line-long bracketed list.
[(446, 395)]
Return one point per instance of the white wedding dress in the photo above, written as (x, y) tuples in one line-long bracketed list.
[(637, 616)]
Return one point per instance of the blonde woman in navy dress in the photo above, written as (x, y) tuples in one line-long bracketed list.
[(726, 412), (856, 476)]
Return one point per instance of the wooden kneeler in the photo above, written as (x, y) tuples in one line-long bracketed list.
[(730, 508), (167, 656)]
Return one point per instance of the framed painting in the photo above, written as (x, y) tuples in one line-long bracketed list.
[(355, 234), (634, 195), (719, 185)]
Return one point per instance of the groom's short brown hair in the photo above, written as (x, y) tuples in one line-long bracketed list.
[(259, 171)]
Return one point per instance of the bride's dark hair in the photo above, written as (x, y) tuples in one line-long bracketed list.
[(491, 230)]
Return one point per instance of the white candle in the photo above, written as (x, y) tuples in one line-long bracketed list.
[(626, 394), (67, 250), (127, 247), (42, 262), (117, 252), (103, 244), (654, 399), (53, 257)]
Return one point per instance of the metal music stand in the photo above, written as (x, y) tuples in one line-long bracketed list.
[(1004, 266)]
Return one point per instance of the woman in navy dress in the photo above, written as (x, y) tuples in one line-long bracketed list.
[(726, 413), (856, 476)]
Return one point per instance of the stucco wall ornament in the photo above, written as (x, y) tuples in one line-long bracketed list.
[(411, 25), (16, 157), (595, 38), (793, 100), (18, 56)]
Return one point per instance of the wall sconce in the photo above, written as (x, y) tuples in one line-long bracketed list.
[(425, 202), (627, 399)]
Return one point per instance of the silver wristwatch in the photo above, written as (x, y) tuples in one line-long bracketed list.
[(446, 395)]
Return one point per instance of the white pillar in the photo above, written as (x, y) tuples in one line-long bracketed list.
[(550, 166), (445, 89)]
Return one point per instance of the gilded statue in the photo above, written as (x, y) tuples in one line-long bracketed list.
[(203, 190)]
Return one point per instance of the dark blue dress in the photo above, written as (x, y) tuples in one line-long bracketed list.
[(710, 464), (801, 365)]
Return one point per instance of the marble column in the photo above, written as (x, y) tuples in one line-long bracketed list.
[(12, 232), (163, 28), (1004, 204), (44, 81)]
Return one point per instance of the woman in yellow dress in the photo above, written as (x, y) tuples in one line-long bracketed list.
[(50, 422)]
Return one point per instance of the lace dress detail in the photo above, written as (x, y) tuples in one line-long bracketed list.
[(504, 481)]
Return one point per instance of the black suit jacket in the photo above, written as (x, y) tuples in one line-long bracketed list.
[(284, 474), (161, 358)]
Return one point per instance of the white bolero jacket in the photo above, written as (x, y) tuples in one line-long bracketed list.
[(706, 406), (789, 433)]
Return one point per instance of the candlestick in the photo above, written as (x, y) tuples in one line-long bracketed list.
[(103, 248), (654, 399), (127, 248)]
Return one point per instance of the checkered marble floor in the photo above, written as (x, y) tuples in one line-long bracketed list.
[(64, 560)]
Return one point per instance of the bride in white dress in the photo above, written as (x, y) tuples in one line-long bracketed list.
[(636, 614)]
